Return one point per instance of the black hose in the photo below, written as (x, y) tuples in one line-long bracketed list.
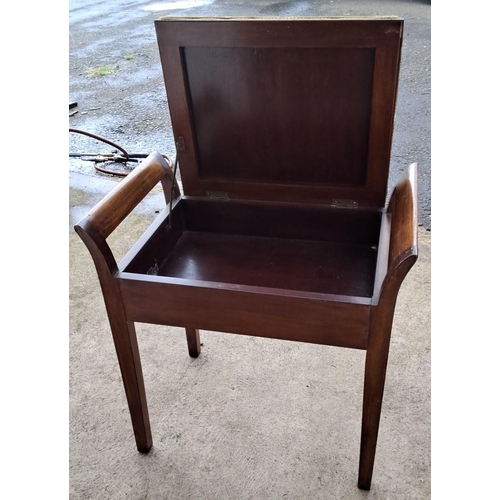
[(88, 134), (127, 157)]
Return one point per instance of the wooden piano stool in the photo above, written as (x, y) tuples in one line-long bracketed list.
[(283, 129)]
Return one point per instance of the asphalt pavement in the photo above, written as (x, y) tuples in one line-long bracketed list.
[(116, 78)]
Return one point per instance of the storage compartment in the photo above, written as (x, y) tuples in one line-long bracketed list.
[(292, 247)]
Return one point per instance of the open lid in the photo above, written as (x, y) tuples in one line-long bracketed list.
[(283, 109)]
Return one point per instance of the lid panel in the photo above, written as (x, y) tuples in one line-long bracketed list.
[(269, 115), (297, 110)]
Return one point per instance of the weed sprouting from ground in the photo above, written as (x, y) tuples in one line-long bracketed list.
[(101, 71)]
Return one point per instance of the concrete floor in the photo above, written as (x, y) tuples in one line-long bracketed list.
[(250, 418)]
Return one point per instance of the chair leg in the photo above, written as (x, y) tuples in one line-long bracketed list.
[(193, 340), (127, 350), (375, 370), (377, 355)]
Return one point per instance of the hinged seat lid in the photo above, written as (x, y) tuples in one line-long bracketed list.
[(283, 109)]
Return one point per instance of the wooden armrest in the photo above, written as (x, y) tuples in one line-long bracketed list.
[(107, 215), (403, 210), (398, 246)]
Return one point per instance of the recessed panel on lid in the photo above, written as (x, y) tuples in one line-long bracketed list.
[(288, 115), (294, 110)]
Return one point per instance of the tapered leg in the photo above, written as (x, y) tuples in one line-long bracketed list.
[(193, 339), (127, 350), (375, 370), (377, 355), (123, 332)]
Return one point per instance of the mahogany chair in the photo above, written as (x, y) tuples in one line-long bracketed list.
[(283, 130)]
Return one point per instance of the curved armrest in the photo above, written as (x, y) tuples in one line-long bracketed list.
[(403, 209), (107, 215), (399, 248)]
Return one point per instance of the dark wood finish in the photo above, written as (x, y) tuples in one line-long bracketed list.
[(193, 339), (322, 267), (289, 119), (282, 220), (156, 243), (276, 260), (403, 212), (255, 101), (94, 228), (263, 312), (112, 210), (402, 255), (126, 347)]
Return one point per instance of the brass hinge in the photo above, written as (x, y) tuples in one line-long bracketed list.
[(217, 195), (344, 204)]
